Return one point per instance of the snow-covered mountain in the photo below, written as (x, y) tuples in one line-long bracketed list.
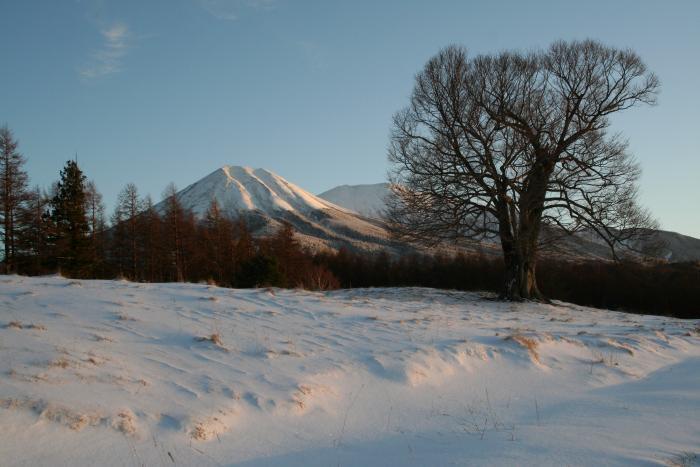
[(239, 189), (367, 200), (265, 199)]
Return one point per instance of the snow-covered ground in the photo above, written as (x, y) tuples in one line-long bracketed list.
[(119, 373)]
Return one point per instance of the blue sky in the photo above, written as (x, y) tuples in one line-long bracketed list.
[(157, 91)]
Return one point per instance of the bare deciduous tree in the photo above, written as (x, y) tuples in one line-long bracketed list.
[(502, 145), (33, 231), (13, 192), (125, 221), (95, 208), (95, 211), (178, 224)]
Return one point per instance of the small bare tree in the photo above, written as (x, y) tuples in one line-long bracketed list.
[(502, 145)]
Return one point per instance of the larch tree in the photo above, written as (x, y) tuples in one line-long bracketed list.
[(33, 232), (94, 209), (13, 193), (178, 224), (285, 248), (217, 233), (151, 238), (95, 212), (126, 230), (508, 145)]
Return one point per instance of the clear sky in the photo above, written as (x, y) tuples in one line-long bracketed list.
[(150, 91)]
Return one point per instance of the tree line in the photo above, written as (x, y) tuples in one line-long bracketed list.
[(657, 288), (67, 230)]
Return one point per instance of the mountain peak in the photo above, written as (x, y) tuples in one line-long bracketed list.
[(241, 188), (265, 199)]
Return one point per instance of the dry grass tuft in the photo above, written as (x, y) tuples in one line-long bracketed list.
[(101, 338), (124, 422), (214, 338), (620, 346), (14, 325), (527, 343), (59, 363), (59, 414), (199, 433), (19, 325)]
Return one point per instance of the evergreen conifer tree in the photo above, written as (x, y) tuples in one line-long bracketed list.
[(71, 230)]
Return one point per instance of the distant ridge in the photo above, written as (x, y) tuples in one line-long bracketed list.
[(367, 200)]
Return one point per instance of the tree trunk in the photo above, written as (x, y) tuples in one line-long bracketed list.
[(520, 248), (7, 269), (520, 278)]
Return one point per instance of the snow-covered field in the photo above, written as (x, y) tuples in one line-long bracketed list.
[(119, 373)]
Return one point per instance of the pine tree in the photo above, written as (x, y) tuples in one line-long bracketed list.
[(71, 230), (13, 193)]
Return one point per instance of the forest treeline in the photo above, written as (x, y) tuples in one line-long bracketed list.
[(66, 230), (658, 288)]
